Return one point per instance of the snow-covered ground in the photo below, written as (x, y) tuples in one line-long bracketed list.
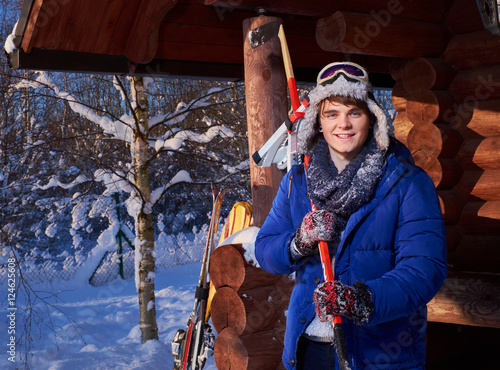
[(105, 333)]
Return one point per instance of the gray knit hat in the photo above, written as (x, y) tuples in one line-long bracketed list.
[(341, 79)]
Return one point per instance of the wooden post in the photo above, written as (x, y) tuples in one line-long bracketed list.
[(266, 100)]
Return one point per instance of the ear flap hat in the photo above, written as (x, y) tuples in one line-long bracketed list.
[(340, 79)]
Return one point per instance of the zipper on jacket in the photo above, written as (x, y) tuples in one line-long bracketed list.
[(290, 186)]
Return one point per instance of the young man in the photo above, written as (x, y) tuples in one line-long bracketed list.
[(381, 218)]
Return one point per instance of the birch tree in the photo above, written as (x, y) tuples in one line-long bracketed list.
[(129, 140)]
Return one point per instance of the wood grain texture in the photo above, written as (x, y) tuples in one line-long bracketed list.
[(231, 350), (468, 299), (365, 33), (427, 73), (267, 105)]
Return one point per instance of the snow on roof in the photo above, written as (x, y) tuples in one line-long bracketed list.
[(10, 45)]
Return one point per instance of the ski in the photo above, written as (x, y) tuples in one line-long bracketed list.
[(192, 347)]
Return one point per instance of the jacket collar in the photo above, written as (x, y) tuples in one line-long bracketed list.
[(398, 164)]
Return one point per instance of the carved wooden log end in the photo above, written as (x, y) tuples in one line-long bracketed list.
[(228, 310), (468, 299), (402, 126), (227, 267), (425, 137), (399, 96), (256, 351), (427, 73)]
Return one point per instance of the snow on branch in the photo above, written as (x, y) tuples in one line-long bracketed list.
[(182, 110), (181, 176), (54, 183), (176, 142), (115, 182), (118, 129)]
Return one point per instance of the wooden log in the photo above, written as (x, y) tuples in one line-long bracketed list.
[(451, 140), (428, 11), (444, 172), (363, 33), (399, 96), (402, 126), (480, 218), (480, 154), (428, 106), (468, 299), (267, 105), (478, 118), (463, 17), (474, 85), (438, 139), (479, 253), (228, 267), (452, 204), (425, 136), (142, 41), (254, 351), (284, 286), (473, 50), (453, 237), (458, 118), (228, 310), (253, 311), (480, 185), (451, 172), (396, 70), (427, 73)]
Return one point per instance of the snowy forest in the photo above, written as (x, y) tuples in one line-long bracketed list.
[(104, 178)]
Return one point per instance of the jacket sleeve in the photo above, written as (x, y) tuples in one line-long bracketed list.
[(273, 240), (420, 255)]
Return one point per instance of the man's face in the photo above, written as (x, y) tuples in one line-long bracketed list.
[(345, 129)]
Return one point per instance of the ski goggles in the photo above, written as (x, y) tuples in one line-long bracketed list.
[(351, 71)]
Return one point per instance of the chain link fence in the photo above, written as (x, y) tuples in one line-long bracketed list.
[(170, 250)]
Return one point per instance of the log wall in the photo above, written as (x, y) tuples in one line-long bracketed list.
[(448, 114), (449, 119), (248, 311)]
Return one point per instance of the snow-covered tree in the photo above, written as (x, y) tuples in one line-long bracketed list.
[(102, 150)]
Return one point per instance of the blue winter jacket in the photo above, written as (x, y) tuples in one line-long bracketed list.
[(395, 244)]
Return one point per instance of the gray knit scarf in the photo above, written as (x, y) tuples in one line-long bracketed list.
[(344, 193)]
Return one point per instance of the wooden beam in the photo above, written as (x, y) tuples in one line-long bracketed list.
[(32, 25), (473, 50), (468, 299), (463, 17), (473, 86), (69, 61), (143, 38), (433, 11), (267, 106), (368, 33)]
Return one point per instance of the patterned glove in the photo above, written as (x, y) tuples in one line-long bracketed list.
[(316, 226), (333, 297)]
